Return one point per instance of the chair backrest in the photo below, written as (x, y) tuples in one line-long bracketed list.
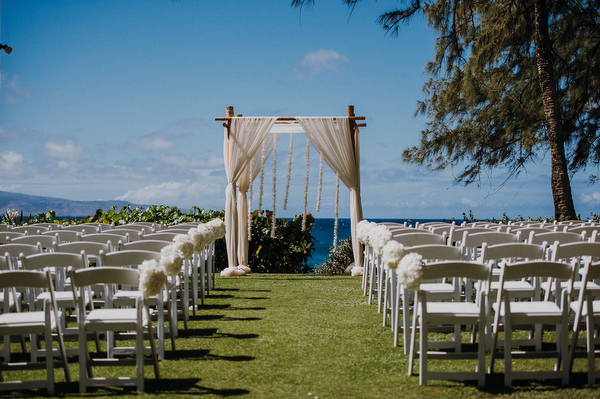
[(53, 259), (163, 235), (436, 252), (490, 237), (5, 262), (113, 239), (536, 268), (551, 237), (144, 245), (127, 258), (90, 248), (104, 275), (8, 236), (25, 279), (143, 229), (586, 231), (47, 241), (410, 240), (30, 229), (63, 235), (456, 269), (131, 234), (512, 250), (575, 250), (86, 229), (15, 249), (460, 231)]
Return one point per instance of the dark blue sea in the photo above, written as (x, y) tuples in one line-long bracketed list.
[(323, 233)]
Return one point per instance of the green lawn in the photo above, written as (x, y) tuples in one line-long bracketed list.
[(298, 336)]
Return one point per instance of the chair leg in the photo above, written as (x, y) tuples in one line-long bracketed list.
[(49, 360), (507, 352), (413, 349), (153, 348)]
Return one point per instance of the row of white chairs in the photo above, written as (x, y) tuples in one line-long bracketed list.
[(108, 253), (507, 280)]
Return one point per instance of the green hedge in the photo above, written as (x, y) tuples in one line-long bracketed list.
[(288, 252)]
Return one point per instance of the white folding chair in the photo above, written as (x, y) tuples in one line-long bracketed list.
[(136, 318), (132, 259), (30, 229), (58, 263), (515, 314), (32, 323), (46, 241), (438, 290), (587, 308), (455, 313)]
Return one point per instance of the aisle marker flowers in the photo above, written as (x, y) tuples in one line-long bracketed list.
[(154, 274), (410, 271)]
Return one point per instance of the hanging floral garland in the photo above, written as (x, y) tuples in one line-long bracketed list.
[(320, 183), (274, 185), (337, 203), (287, 186), (262, 174), (250, 177), (306, 183)]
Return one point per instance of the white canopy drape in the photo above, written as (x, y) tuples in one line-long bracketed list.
[(334, 138), (337, 142), (250, 172), (242, 141)]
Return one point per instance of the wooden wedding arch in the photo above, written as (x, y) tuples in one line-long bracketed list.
[(335, 138)]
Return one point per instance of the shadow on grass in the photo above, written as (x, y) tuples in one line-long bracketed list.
[(215, 306), (206, 317), (204, 354), (213, 333), (173, 387), (252, 297)]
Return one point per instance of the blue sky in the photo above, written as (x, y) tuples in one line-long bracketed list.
[(105, 100)]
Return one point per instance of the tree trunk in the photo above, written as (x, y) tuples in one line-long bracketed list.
[(561, 186)]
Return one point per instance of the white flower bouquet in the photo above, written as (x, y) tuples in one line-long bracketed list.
[(153, 277), (392, 254), (410, 270)]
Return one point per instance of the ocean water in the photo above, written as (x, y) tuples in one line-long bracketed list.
[(323, 233)]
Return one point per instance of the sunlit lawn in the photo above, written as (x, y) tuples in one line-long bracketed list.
[(299, 336)]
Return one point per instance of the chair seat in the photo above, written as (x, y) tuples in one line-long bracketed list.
[(584, 310), (525, 312), (452, 312), (438, 288), (64, 299), (11, 299), (12, 323), (113, 319)]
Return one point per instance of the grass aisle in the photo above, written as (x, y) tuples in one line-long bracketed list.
[(294, 336)]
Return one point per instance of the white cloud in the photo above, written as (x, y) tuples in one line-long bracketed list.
[(469, 202), (204, 194), (154, 141), (318, 62), (14, 92), (62, 148), (11, 188), (593, 198), (11, 163)]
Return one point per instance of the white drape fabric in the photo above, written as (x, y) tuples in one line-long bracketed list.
[(242, 141), (250, 172), (339, 145), (335, 140)]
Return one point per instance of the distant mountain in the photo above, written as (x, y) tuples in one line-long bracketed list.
[(32, 204)]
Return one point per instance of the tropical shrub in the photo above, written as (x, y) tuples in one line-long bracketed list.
[(287, 252), (339, 259)]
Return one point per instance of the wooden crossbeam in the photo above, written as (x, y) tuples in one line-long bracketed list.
[(351, 116)]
